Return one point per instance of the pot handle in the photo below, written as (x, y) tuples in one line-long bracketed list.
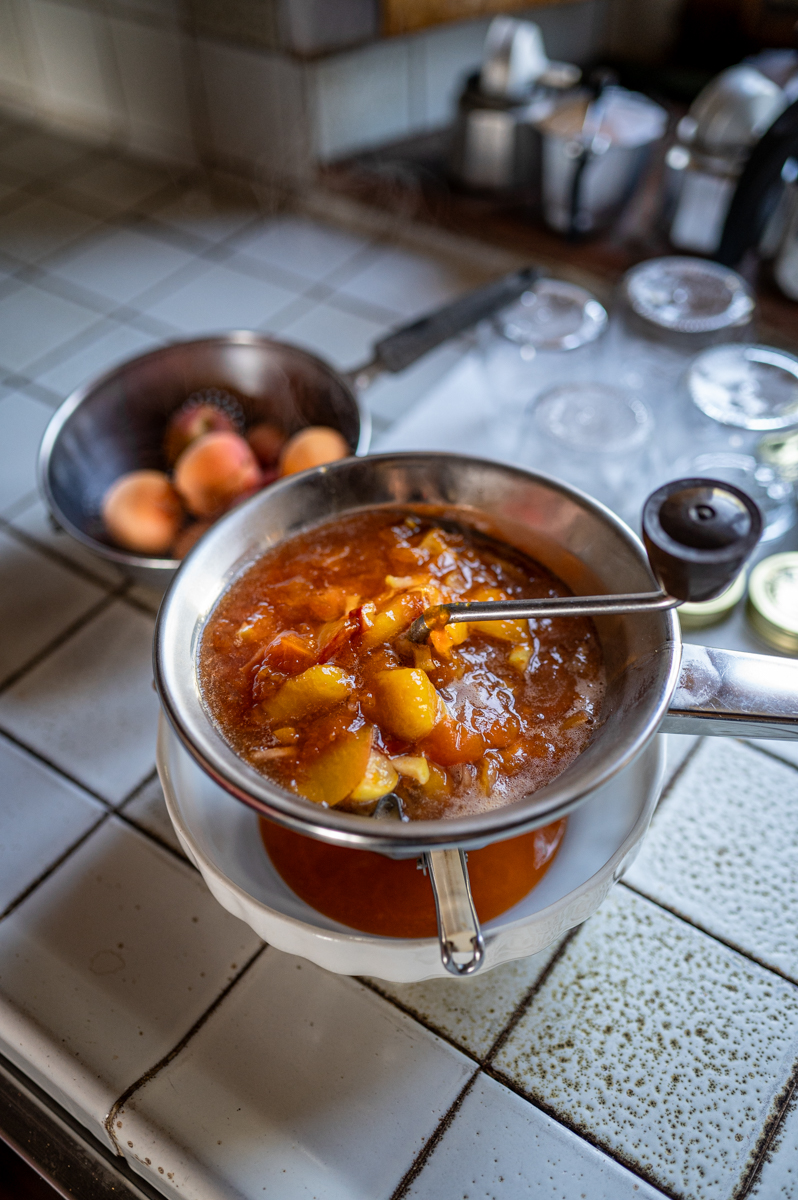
[(404, 346), (458, 924), (727, 693)]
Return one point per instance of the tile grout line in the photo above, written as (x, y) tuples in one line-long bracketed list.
[(771, 754), (746, 954), (143, 1079), (25, 539), (628, 1164), (769, 1134), (61, 639), (53, 866), (427, 1150)]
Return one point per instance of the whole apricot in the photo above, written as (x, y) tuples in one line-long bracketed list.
[(193, 420), (214, 471), (267, 441), (312, 447), (142, 512)]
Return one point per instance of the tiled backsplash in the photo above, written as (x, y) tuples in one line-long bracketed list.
[(231, 84)]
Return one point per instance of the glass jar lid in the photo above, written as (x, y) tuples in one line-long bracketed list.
[(554, 315), (688, 295), (752, 387), (593, 418), (773, 600)]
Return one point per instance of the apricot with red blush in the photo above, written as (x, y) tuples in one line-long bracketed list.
[(215, 471)]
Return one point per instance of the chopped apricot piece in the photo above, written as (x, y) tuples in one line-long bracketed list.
[(289, 652), (315, 689), (451, 742), (519, 657), (385, 625), (415, 766), (332, 775), (439, 784), (286, 736), (379, 778), (409, 703)]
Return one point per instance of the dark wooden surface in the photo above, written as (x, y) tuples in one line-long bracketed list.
[(410, 179)]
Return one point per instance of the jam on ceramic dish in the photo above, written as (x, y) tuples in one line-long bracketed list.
[(306, 669)]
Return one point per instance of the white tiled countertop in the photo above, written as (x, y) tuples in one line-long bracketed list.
[(651, 1053)]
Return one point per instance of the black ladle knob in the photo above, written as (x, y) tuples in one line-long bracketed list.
[(698, 534)]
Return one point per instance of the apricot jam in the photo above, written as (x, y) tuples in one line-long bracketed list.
[(391, 897), (306, 669)]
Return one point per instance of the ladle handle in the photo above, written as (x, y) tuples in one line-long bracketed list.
[(458, 924), (405, 346), (732, 694), (698, 533)]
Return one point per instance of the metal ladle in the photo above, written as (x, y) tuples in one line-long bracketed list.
[(698, 534)]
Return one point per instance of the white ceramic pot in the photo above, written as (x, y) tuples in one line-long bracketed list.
[(220, 836)]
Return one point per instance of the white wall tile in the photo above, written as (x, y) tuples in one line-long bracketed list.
[(151, 68), (301, 1084), (256, 109), (42, 815), (23, 421), (722, 850), (499, 1145), (661, 1045), (107, 964), (38, 600), (450, 54), (90, 707), (362, 98), (15, 82), (76, 71)]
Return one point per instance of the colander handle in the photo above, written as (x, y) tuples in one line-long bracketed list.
[(458, 925)]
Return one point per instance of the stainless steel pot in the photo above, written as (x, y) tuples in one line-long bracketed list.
[(116, 423), (653, 682)]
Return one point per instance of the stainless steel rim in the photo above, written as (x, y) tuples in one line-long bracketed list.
[(201, 738), (239, 337)]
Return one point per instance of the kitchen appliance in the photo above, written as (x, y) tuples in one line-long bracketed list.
[(594, 148), (652, 681), (714, 141), (495, 144), (116, 423)]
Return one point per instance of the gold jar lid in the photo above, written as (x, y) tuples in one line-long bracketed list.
[(780, 451), (773, 600), (712, 612)]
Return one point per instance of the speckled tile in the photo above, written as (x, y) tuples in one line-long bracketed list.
[(338, 336), (41, 816), (677, 748), (147, 808), (781, 748), (107, 965), (777, 1178), (501, 1146), (662, 1046), (38, 600), (471, 1012), (204, 215), (89, 707), (302, 1083), (723, 851)]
